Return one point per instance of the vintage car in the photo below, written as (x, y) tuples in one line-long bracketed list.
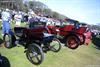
[(35, 39), (72, 33)]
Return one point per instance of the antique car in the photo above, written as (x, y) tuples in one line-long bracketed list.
[(72, 33), (68, 36), (35, 39)]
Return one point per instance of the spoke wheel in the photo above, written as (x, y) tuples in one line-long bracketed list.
[(35, 54), (7, 41), (72, 42), (55, 45)]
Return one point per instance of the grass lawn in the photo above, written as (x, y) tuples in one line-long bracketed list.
[(83, 56)]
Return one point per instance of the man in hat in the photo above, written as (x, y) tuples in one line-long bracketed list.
[(6, 17)]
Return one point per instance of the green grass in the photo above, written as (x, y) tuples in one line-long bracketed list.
[(83, 56)]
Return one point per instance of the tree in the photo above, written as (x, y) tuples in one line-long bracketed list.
[(48, 12), (55, 15), (36, 5)]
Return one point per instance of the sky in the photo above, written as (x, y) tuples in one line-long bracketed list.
[(87, 11)]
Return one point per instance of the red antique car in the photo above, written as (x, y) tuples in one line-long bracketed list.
[(67, 33), (72, 34)]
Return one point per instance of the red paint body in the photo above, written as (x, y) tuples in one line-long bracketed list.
[(65, 30)]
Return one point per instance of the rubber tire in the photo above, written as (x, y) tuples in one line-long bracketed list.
[(54, 49), (77, 41), (30, 49), (11, 41), (4, 62)]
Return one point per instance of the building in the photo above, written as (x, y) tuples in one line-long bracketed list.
[(7, 4)]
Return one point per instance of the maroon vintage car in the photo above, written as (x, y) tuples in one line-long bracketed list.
[(35, 39)]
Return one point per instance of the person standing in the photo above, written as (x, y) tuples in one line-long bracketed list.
[(18, 18), (6, 17), (88, 36), (31, 14)]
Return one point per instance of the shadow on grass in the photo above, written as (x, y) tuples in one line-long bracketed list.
[(96, 42), (1, 41), (4, 62)]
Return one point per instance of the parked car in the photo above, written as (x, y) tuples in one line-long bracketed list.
[(72, 33), (35, 39), (69, 36)]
